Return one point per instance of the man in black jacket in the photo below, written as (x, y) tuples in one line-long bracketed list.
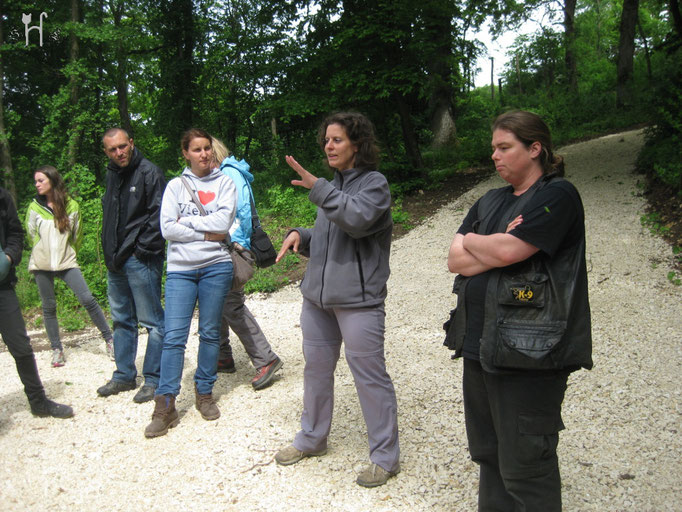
[(12, 327), (133, 252)]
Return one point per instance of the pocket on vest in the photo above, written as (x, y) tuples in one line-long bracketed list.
[(527, 345)]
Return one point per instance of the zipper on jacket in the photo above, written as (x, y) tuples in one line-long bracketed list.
[(362, 276), (324, 266), (326, 251)]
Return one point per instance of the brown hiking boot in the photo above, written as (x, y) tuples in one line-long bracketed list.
[(206, 405), (165, 416)]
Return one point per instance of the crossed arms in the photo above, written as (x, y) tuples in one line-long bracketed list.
[(473, 254)]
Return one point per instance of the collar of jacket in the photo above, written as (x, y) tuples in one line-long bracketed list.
[(343, 178), (135, 160), (42, 201)]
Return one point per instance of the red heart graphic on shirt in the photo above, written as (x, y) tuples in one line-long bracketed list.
[(206, 197)]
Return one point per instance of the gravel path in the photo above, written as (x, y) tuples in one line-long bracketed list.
[(621, 449)]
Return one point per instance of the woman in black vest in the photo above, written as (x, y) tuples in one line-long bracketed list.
[(522, 322)]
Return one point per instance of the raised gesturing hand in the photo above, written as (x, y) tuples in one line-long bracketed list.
[(307, 180)]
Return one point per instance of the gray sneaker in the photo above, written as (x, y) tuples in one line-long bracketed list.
[(58, 358), (291, 455), (374, 476)]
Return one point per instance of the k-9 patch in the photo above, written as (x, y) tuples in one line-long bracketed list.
[(524, 295)]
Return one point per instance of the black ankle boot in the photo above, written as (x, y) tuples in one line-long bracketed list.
[(46, 407)]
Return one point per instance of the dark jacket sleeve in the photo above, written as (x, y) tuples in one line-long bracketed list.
[(14, 233), (11, 239), (149, 240)]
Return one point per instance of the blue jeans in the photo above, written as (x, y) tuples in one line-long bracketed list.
[(210, 286), (135, 296)]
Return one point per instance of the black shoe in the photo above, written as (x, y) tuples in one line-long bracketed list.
[(226, 365), (47, 407), (114, 387), (265, 374), (145, 394)]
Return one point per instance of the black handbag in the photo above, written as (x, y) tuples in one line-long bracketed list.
[(261, 246)]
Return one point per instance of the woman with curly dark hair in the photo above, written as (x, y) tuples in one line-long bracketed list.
[(343, 294)]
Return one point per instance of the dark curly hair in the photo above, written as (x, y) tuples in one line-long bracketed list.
[(360, 131)]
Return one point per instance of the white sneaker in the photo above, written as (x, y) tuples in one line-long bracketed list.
[(58, 358)]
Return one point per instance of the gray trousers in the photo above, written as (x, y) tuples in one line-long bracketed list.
[(362, 330), (74, 280), (236, 316)]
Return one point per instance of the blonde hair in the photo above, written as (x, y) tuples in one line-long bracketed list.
[(220, 151)]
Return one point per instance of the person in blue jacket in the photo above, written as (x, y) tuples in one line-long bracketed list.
[(236, 315)]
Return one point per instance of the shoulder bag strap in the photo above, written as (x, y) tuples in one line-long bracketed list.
[(195, 200), (255, 221)]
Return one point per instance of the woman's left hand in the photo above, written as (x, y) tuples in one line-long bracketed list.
[(307, 180)]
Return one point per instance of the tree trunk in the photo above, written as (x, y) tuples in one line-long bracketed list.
[(438, 21), (409, 135), (121, 73), (676, 15), (626, 52), (5, 155), (443, 124), (177, 73), (569, 35), (74, 92)]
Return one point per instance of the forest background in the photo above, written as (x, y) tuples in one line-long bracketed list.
[(262, 74)]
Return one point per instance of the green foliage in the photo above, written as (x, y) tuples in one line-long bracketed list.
[(291, 204), (540, 84), (662, 153), (399, 215), (653, 221), (268, 280), (26, 289), (261, 74)]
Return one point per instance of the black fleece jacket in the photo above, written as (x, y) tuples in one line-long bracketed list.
[(131, 205), (11, 236)]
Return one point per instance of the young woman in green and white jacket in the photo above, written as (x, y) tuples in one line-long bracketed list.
[(53, 225)]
